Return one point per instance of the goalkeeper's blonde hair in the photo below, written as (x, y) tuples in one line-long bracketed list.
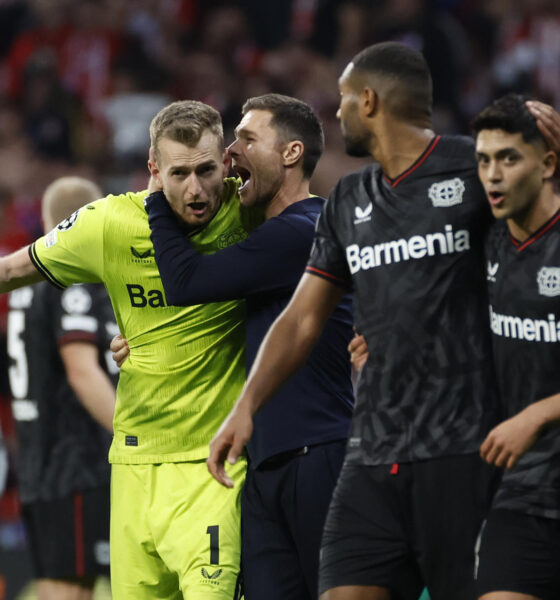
[(185, 121)]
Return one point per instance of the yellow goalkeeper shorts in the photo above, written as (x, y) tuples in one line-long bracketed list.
[(175, 532)]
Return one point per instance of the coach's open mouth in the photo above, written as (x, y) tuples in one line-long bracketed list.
[(244, 175)]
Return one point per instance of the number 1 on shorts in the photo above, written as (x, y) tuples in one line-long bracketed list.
[(214, 532)]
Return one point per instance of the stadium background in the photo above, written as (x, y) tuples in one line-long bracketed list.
[(81, 79)]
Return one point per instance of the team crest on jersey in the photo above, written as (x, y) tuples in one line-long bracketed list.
[(68, 222), (363, 215), (548, 279), (492, 269), (447, 193), (76, 300)]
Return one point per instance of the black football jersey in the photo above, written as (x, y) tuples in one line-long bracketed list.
[(61, 449), (411, 249), (524, 294)]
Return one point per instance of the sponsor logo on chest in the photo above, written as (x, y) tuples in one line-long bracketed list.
[(140, 297), (524, 328), (414, 248)]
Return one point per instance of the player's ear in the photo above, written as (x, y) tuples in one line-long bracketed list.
[(153, 167), (292, 152), (368, 101), (226, 162), (550, 160)]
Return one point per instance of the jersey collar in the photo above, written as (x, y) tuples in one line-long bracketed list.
[(430, 148), (537, 234)]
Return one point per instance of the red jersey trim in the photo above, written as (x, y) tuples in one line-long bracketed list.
[(413, 168), (315, 271), (538, 234)]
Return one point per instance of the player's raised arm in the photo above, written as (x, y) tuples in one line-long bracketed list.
[(283, 350), (17, 270)]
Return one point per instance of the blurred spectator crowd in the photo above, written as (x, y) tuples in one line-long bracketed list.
[(81, 79)]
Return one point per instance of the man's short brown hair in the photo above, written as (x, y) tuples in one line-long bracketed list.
[(293, 119)]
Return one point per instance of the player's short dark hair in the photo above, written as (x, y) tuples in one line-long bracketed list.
[(509, 113), (185, 121), (293, 119), (408, 73)]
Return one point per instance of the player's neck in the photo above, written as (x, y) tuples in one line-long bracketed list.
[(524, 225), (399, 146), (292, 190)]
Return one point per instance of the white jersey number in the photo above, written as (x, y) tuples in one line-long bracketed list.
[(19, 370)]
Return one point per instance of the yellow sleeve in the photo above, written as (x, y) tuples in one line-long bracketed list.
[(73, 252)]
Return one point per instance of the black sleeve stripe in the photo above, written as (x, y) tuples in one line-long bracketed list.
[(327, 276), (42, 269)]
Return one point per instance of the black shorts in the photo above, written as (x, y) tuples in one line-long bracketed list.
[(408, 525), (519, 553), (69, 537)]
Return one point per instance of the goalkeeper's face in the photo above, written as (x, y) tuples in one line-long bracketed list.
[(192, 178)]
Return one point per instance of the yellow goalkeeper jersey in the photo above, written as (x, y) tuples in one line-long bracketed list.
[(186, 365)]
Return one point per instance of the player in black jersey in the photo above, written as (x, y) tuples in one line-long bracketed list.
[(519, 555), (406, 235), (59, 367)]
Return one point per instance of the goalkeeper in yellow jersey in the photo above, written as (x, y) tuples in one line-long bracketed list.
[(174, 530)]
